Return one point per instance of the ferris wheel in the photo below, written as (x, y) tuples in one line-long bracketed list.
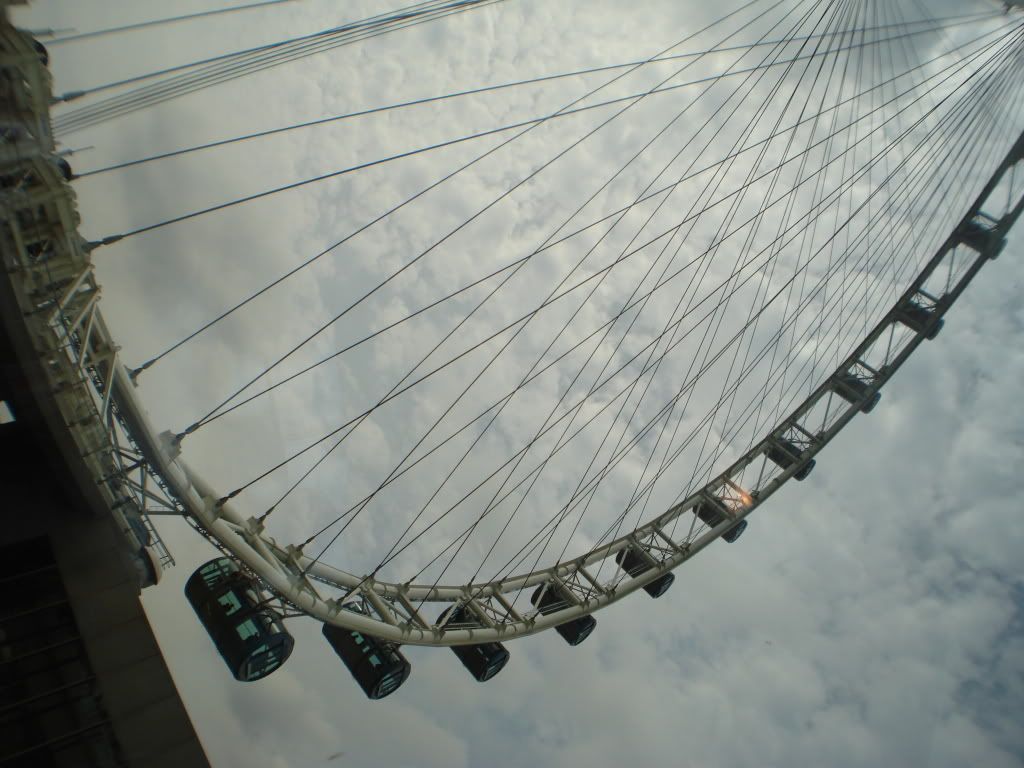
[(547, 348)]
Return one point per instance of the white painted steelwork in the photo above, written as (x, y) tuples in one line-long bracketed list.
[(48, 269)]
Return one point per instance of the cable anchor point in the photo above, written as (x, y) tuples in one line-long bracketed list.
[(225, 499), (262, 518), (69, 96), (133, 374), (92, 245), (188, 431)]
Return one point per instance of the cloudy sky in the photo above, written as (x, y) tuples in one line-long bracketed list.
[(871, 615)]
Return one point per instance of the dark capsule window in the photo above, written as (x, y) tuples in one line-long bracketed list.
[(378, 666), (634, 564), (549, 600), (785, 454), (262, 662), (920, 319), (854, 391), (981, 237), (248, 634), (735, 532), (483, 660), (576, 631), (217, 571), (804, 472), (711, 515)]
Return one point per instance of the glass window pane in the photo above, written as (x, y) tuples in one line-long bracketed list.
[(214, 573), (247, 629), (263, 666), (230, 601), (263, 661), (211, 574), (390, 682)]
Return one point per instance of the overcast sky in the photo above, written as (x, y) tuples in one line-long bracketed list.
[(871, 615)]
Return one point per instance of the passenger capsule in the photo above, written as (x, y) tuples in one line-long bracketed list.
[(920, 319), (574, 631), (785, 454), (378, 666), (249, 635), (483, 660), (633, 563), (985, 240), (712, 513), (855, 391)]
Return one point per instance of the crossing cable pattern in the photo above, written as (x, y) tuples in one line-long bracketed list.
[(525, 317), (908, 29), (275, 283), (410, 153), (226, 409), (92, 34), (224, 68), (727, 285), (619, 413), (462, 225), (292, 272)]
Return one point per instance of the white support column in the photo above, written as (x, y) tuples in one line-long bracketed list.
[(91, 296), (109, 387), (379, 605), (668, 540), (410, 609), (86, 346), (509, 608), (566, 592), (69, 293), (593, 582)]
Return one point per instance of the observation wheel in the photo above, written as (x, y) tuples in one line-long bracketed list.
[(543, 337)]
